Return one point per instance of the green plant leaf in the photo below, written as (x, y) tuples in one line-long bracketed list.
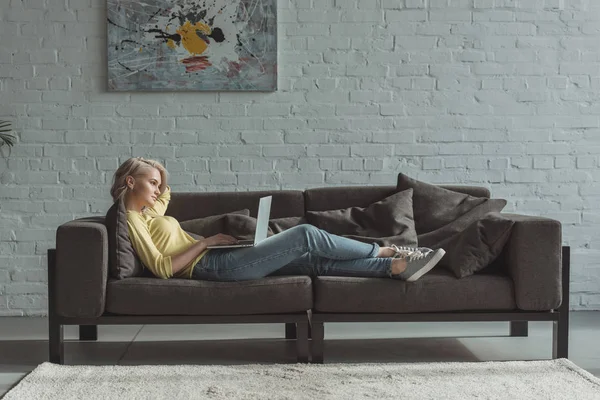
[(6, 139), (9, 140)]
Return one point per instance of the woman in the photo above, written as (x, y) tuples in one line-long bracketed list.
[(168, 251)]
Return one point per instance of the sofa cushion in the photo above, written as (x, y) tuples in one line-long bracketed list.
[(390, 218), (437, 291), (237, 225), (242, 227), (477, 246), (278, 225), (439, 237), (436, 207), (148, 296), (123, 260), (207, 225)]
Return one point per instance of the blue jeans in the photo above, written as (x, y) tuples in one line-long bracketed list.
[(301, 250)]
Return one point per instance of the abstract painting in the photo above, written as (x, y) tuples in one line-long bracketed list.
[(171, 45)]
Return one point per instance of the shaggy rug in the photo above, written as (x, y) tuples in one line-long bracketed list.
[(548, 379)]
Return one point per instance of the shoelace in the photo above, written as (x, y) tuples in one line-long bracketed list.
[(412, 253)]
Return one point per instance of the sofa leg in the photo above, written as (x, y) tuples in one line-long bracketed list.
[(560, 328), (56, 351), (290, 330), (302, 342), (56, 343), (88, 332), (560, 338), (519, 328), (318, 336)]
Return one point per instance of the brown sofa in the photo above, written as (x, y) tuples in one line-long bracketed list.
[(529, 281)]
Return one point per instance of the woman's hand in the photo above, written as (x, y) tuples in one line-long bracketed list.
[(220, 238)]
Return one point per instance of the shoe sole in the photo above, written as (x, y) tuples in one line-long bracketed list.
[(439, 253)]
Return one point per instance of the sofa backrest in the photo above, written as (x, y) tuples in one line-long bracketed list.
[(190, 205), (288, 203), (332, 198)]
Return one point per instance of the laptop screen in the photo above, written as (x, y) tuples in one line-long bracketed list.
[(262, 222)]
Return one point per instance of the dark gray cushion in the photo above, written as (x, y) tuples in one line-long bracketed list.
[(477, 246), (177, 296), (436, 291), (387, 221), (278, 225), (123, 261), (436, 207), (241, 226), (211, 225), (435, 238)]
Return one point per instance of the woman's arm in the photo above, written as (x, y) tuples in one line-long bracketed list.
[(182, 259), (161, 204)]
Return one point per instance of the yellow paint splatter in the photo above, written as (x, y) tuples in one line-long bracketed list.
[(190, 40), (171, 43)]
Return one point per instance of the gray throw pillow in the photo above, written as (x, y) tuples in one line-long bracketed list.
[(211, 225), (437, 207), (433, 239), (477, 246), (387, 221), (237, 225), (123, 260), (278, 225), (242, 227)]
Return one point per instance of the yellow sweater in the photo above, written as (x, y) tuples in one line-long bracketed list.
[(156, 238)]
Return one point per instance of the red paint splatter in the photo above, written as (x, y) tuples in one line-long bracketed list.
[(196, 63), (235, 67)]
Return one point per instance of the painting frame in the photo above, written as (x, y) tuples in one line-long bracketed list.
[(192, 45)]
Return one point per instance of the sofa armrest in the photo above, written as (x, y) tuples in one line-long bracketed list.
[(81, 269), (534, 261)]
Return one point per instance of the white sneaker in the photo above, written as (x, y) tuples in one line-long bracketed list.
[(405, 250), (419, 261)]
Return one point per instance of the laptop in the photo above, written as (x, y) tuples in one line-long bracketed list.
[(262, 227)]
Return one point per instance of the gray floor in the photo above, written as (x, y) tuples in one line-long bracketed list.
[(24, 344)]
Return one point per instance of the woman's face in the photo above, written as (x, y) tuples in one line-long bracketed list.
[(146, 188)]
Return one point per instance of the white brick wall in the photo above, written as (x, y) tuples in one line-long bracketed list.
[(497, 93)]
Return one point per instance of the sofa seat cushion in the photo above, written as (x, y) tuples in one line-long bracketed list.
[(152, 296), (437, 291)]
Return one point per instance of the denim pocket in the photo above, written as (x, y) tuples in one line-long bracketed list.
[(201, 268), (208, 266)]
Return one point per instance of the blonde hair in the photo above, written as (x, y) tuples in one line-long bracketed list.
[(136, 167)]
